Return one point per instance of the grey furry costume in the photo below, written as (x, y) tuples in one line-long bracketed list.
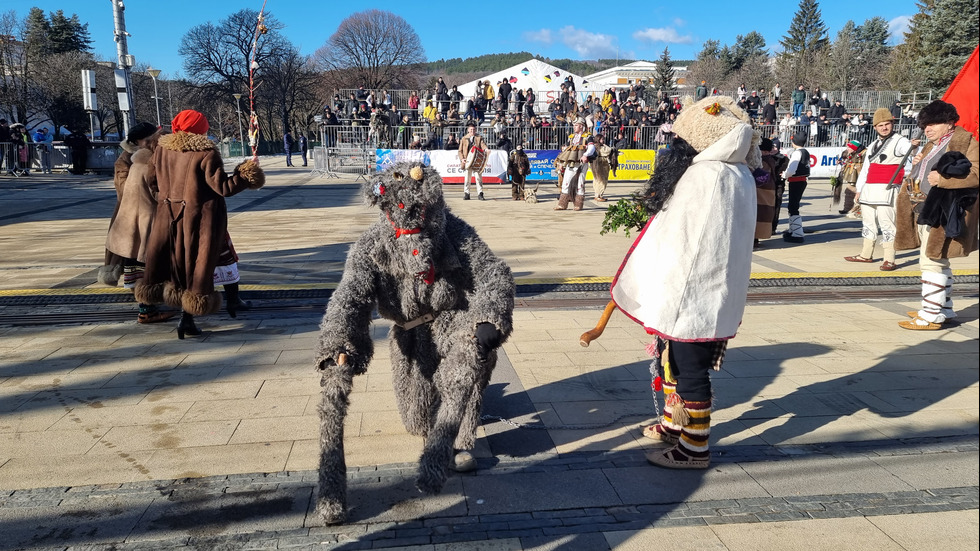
[(431, 274)]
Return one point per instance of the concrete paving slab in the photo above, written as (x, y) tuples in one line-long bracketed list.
[(398, 500), (824, 475), (189, 511), (681, 538), (98, 521), (949, 530), (806, 535), (202, 461), (929, 471), (527, 492), (159, 436), (649, 484)]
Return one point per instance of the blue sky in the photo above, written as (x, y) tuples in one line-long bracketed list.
[(569, 29)]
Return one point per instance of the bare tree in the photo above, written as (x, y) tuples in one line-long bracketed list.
[(377, 49), (13, 66)]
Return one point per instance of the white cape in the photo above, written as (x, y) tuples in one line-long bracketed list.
[(687, 275)]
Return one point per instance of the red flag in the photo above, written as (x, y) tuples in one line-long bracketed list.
[(964, 92)]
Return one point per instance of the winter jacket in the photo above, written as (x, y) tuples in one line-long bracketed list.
[(191, 221), (130, 228)]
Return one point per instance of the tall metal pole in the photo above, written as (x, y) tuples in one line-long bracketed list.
[(124, 63), (241, 133), (154, 73)]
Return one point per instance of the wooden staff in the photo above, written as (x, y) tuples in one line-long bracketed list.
[(342, 359), (596, 331)]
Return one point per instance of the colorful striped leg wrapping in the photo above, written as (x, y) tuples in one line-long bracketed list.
[(691, 451), (666, 430)]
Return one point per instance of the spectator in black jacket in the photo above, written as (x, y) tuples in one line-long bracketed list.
[(836, 112), (503, 94), (753, 102), (896, 110), (769, 112)]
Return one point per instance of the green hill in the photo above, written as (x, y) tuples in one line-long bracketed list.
[(491, 63)]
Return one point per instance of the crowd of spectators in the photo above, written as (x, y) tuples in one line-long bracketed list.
[(629, 117)]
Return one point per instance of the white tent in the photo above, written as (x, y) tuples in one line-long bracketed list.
[(543, 78)]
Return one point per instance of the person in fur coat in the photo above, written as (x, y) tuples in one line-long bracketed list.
[(687, 276), (518, 168), (947, 167), (190, 226), (451, 300), (130, 226), (112, 268)]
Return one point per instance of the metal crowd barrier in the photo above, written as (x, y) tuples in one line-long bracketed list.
[(337, 161), (12, 165), (427, 136)]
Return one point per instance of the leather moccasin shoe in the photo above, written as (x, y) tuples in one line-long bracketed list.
[(919, 324), (858, 258), (887, 266)]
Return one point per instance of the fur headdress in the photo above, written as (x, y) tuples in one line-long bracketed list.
[(938, 112), (703, 123)]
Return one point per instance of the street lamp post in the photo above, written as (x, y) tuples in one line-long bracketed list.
[(154, 73), (238, 107)]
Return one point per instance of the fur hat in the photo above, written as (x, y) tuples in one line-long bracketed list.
[(799, 139), (707, 121), (139, 132), (938, 112), (882, 115), (191, 121), (765, 144)]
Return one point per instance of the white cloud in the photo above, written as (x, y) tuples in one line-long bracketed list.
[(589, 45), (665, 34), (897, 28), (678, 22), (544, 36)]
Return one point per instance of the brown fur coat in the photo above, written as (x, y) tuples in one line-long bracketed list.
[(938, 245), (191, 221)]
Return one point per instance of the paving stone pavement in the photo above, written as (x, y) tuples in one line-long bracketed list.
[(834, 429)]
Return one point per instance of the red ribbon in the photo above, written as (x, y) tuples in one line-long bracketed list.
[(400, 231), (428, 276)]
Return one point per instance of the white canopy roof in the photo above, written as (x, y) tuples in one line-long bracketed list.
[(543, 78)]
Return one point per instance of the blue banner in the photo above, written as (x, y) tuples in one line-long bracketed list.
[(388, 157), (542, 163)]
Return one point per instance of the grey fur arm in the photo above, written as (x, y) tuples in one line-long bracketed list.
[(492, 298), (345, 327)]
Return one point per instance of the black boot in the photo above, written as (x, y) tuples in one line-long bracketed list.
[(187, 327), (234, 303)]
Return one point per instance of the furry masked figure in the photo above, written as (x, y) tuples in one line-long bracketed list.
[(451, 301)]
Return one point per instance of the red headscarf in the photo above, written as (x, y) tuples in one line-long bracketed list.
[(191, 121)]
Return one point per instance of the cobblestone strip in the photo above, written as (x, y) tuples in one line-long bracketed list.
[(544, 524), (520, 526)]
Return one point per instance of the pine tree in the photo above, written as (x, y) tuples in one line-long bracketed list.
[(806, 37), (68, 34), (664, 76), (949, 36), (37, 31), (902, 71)]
